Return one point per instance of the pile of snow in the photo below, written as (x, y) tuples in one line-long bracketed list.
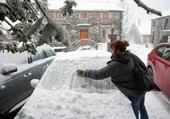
[(86, 47), (82, 54), (9, 67)]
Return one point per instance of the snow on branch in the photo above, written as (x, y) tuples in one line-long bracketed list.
[(141, 4)]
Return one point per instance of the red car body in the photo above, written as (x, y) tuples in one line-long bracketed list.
[(158, 64)]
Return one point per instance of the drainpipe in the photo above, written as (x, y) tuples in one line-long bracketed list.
[(121, 25)]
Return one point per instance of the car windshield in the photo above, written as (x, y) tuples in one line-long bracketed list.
[(59, 75)]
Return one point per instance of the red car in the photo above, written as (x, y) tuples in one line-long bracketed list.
[(159, 67)]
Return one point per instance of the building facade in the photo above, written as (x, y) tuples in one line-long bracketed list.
[(93, 23), (160, 30)]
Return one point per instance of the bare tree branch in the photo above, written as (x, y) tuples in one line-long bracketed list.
[(148, 9)]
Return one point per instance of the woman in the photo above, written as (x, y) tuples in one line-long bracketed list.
[(120, 69)]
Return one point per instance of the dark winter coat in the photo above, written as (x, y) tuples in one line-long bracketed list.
[(119, 68)]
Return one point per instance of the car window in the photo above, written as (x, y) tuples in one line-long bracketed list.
[(36, 57), (45, 51), (161, 49), (49, 52), (166, 55)]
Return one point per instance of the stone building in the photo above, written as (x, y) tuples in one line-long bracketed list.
[(160, 29), (91, 20)]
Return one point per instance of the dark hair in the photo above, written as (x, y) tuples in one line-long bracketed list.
[(120, 45)]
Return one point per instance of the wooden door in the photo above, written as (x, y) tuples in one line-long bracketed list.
[(84, 36)]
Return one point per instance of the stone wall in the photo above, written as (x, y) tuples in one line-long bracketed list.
[(157, 26), (95, 19)]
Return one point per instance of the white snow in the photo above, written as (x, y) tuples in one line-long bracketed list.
[(8, 67), (145, 27), (85, 47), (84, 5), (34, 82), (61, 94)]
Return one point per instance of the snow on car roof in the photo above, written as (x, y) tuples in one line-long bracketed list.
[(79, 54)]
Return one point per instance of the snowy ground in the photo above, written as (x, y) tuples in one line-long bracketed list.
[(61, 94)]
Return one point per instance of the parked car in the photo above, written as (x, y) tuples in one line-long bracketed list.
[(158, 64), (61, 92), (16, 72)]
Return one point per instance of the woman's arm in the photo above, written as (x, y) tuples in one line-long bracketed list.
[(100, 74)]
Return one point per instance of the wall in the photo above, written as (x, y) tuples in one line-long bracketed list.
[(95, 19), (156, 34)]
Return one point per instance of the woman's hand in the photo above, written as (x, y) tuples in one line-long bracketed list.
[(80, 72)]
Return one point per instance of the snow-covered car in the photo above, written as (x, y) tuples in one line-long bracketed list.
[(16, 72), (60, 80), (62, 94)]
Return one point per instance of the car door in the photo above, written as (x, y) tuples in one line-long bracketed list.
[(15, 86), (166, 78), (42, 61), (158, 63)]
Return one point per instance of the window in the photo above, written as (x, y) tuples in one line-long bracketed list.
[(154, 23), (58, 15), (104, 33), (153, 37), (161, 49), (166, 55), (84, 15), (166, 23), (106, 15), (36, 57), (48, 52)]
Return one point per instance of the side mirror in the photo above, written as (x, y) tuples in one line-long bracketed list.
[(8, 68), (34, 82)]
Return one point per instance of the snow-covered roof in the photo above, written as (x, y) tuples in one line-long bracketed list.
[(164, 14), (88, 5), (144, 27)]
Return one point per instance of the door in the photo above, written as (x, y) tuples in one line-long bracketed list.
[(15, 86), (42, 60), (84, 36), (166, 78), (158, 63), (15, 89)]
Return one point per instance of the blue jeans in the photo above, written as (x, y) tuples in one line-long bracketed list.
[(139, 106)]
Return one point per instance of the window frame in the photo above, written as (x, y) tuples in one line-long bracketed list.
[(83, 15), (106, 15), (166, 23)]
